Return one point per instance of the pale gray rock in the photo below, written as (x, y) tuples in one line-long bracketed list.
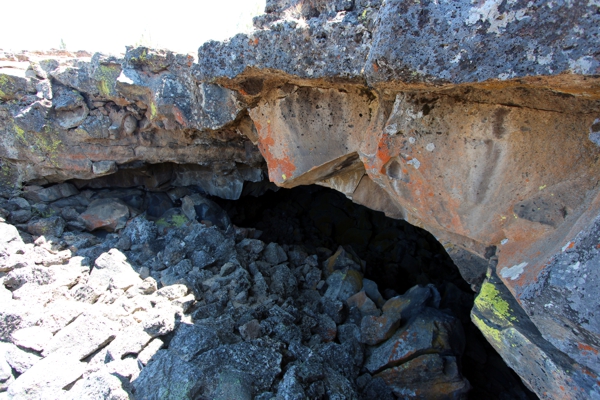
[(15, 315), (159, 321), (129, 341), (9, 234), (34, 338), (19, 360), (85, 293), (63, 277), (46, 378), (97, 386), (5, 294), (172, 292), (82, 337), (6, 375), (113, 271), (147, 286), (127, 369), (58, 314), (150, 350), (185, 302)]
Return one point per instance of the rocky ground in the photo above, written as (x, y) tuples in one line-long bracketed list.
[(101, 300)]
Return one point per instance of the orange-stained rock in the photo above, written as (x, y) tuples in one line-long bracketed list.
[(107, 214), (376, 329), (430, 331), (429, 376), (363, 303), (504, 175)]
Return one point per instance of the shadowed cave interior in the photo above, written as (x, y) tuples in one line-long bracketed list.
[(396, 255)]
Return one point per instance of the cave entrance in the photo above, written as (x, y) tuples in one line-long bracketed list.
[(305, 235), (395, 254)]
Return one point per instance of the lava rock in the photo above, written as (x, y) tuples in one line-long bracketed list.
[(430, 376), (429, 331), (99, 385), (53, 226), (274, 254), (111, 270), (39, 194), (343, 284), (192, 340), (167, 376), (283, 282), (376, 329), (107, 214)]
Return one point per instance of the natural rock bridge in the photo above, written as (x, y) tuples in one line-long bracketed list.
[(477, 121)]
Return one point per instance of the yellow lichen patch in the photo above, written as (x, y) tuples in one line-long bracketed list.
[(103, 88), (490, 301), (153, 111), (175, 221), (3, 84), (44, 144), (20, 133), (106, 77), (494, 336)]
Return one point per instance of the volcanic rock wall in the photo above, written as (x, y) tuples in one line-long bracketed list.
[(476, 121)]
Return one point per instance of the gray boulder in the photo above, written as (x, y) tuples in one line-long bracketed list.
[(192, 340), (167, 376)]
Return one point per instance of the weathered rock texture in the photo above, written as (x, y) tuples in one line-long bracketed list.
[(65, 118), (477, 121)]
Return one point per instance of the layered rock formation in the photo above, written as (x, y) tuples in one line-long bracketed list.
[(478, 122)]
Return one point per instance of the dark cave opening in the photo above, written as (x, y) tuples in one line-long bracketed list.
[(310, 220), (395, 254)]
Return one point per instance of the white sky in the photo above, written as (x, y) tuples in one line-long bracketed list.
[(110, 25)]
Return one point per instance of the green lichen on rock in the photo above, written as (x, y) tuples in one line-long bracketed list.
[(106, 77), (493, 335), (9, 175), (175, 221), (20, 133), (3, 85), (153, 110), (142, 58), (45, 144), (12, 87), (490, 302)]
